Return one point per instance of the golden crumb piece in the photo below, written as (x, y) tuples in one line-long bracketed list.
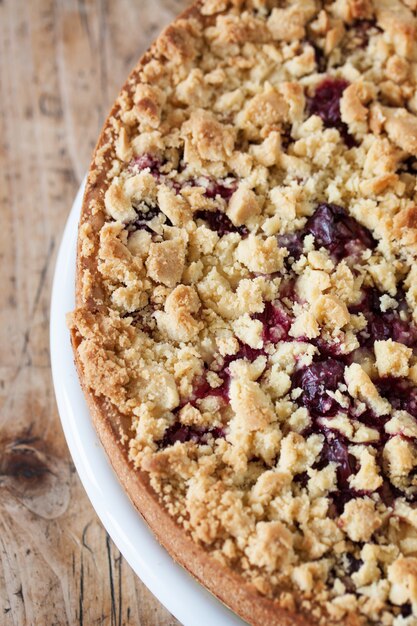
[(401, 128), (397, 68), (118, 204), (174, 206), (212, 140), (178, 42), (307, 575), (382, 158), (392, 358), (350, 10), (193, 89), (368, 478), (305, 325), (400, 455), (178, 320), (298, 453), (166, 261), (351, 104), (288, 24), (360, 519), (361, 386), (243, 205), (404, 226), (402, 575), (311, 284), (401, 423), (271, 546), (399, 24), (268, 152), (249, 330), (149, 101), (139, 243), (267, 107), (330, 311), (123, 148), (252, 407), (260, 255)]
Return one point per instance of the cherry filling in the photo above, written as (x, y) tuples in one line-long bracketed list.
[(395, 324), (337, 231), (218, 221), (218, 188), (144, 217), (335, 450), (319, 56), (146, 161), (201, 390), (326, 104), (315, 381), (276, 323), (353, 564), (293, 242), (224, 188), (332, 228), (401, 393), (406, 610), (245, 352), (331, 349), (181, 433), (361, 31)]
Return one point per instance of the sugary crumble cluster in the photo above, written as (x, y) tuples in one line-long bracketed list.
[(249, 294)]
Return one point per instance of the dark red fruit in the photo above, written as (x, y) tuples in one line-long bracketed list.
[(218, 221), (395, 324), (401, 393), (406, 610), (276, 323), (336, 450), (333, 350), (245, 352), (319, 56), (335, 230), (353, 564), (181, 433), (293, 242), (144, 217), (316, 380), (224, 188), (216, 188), (146, 161), (361, 29), (326, 104)]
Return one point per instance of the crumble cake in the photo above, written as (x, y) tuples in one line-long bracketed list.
[(246, 321)]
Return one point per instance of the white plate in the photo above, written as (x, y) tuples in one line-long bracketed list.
[(171, 584)]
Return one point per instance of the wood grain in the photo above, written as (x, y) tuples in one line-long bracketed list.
[(61, 66)]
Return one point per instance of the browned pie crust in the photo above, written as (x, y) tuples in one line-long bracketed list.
[(287, 605)]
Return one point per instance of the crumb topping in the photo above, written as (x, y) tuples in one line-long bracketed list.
[(249, 293)]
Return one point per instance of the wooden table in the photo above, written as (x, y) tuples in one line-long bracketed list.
[(62, 63)]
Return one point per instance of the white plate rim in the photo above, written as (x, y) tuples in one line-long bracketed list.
[(191, 603)]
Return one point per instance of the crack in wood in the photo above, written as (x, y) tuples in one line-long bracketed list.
[(81, 595), (111, 580)]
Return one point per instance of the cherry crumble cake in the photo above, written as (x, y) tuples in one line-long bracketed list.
[(246, 321)]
